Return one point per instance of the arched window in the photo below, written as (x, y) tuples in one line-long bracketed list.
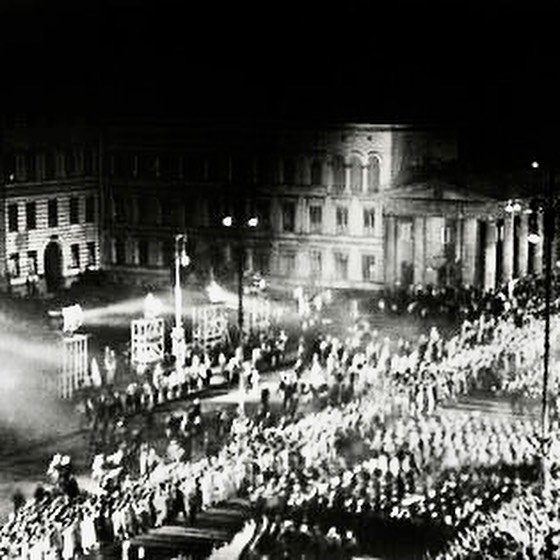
[(316, 172), (338, 173), (289, 171), (355, 174), (373, 174)]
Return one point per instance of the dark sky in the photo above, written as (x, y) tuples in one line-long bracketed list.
[(488, 66)]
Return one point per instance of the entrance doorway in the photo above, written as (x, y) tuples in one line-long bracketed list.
[(53, 266)]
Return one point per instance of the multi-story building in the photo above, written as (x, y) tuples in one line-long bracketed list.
[(50, 206), (350, 206)]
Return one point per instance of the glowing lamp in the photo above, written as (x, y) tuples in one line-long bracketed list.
[(72, 317), (215, 292), (517, 207), (534, 238), (509, 207), (152, 306), (535, 164), (253, 222), (185, 260), (227, 221)]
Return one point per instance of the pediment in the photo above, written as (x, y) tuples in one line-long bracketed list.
[(437, 191)]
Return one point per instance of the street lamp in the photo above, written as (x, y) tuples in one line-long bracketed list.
[(178, 332), (238, 225)]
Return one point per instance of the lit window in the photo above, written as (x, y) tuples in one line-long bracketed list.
[(316, 264), (13, 265), (315, 219), (368, 267), (287, 263), (341, 266), (369, 220), (32, 263), (75, 255), (341, 219)]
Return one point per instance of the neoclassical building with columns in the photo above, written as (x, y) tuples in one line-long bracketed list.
[(350, 206)]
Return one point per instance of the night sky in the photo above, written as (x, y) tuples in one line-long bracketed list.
[(488, 68)]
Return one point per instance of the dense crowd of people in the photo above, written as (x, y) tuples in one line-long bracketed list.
[(374, 444)]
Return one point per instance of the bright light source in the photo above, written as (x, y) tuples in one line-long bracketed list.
[(216, 293), (517, 207), (535, 164), (509, 207), (72, 317), (185, 260), (152, 306), (253, 222), (12, 176), (227, 221), (527, 211), (534, 238)]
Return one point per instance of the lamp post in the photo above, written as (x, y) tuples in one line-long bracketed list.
[(547, 238), (239, 226), (178, 332)]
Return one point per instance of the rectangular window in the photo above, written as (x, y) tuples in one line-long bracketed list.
[(263, 213), (91, 253), (287, 263), (341, 266), (341, 219), (316, 264), (13, 217), (13, 265), (369, 220), (368, 267), (31, 215), (74, 210), (90, 209), (143, 252), (288, 217), (120, 252), (74, 255), (315, 219), (32, 269), (52, 213)]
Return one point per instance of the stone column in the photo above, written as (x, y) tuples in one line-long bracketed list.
[(469, 251), (539, 247), (364, 178), (507, 253), (523, 253), (329, 217), (390, 250), (419, 243), (490, 257), (347, 179)]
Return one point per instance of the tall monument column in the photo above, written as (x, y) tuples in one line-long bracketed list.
[(419, 243), (523, 254), (390, 249), (539, 247), (507, 258), (490, 256), (469, 251)]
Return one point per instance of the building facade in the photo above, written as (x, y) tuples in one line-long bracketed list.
[(50, 207), (349, 207)]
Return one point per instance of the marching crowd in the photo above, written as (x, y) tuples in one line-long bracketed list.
[(373, 445)]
